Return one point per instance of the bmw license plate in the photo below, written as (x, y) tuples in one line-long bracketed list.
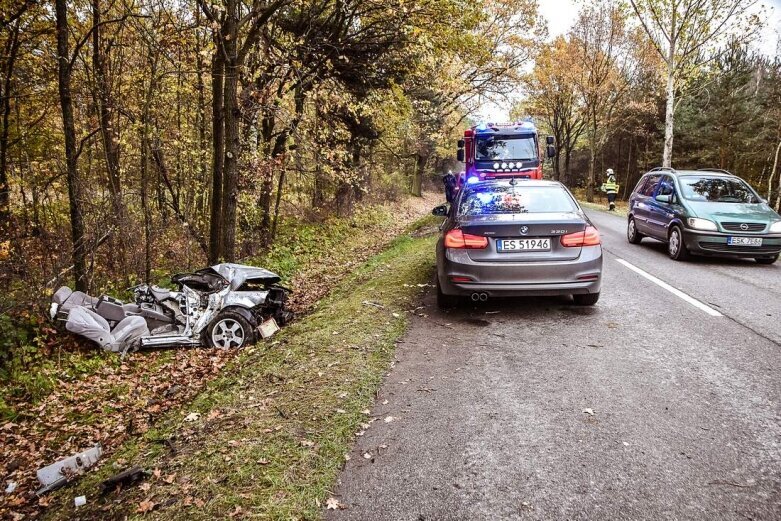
[(744, 241), (511, 245)]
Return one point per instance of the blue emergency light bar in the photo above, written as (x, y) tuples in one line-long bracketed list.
[(520, 127)]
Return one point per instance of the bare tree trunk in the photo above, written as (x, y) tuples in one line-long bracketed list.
[(773, 173), (218, 151), (71, 158), (669, 118), (203, 193), (591, 163), (105, 107), (11, 51), (109, 133), (417, 179), (232, 141)]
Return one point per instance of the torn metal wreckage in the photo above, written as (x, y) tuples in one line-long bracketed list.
[(226, 306)]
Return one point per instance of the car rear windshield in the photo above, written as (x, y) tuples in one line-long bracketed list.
[(716, 189), (508, 199)]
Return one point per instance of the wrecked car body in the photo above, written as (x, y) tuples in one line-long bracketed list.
[(226, 306)]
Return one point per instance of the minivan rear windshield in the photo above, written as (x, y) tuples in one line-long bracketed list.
[(508, 199), (716, 189)]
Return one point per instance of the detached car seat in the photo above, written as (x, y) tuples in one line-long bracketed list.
[(125, 336)]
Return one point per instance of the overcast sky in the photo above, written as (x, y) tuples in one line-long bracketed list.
[(561, 14)]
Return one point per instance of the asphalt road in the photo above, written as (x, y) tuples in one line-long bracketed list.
[(486, 403)]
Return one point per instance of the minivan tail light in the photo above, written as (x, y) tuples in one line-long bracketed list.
[(458, 239), (588, 237)]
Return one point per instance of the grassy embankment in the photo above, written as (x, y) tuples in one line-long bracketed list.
[(273, 429)]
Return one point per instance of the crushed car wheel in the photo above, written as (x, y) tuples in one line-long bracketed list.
[(230, 330)]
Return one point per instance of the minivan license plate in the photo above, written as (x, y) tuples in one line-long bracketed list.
[(513, 245), (744, 241)]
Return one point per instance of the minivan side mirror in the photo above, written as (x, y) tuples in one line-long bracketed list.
[(460, 155), (440, 210), (664, 198), (550, 151)]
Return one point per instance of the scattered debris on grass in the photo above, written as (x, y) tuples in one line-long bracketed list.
[(90, 397), (61, 472)]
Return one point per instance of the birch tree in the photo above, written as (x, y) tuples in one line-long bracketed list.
[(685, 33)]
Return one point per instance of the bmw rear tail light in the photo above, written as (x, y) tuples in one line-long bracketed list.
[(588, 237), (458, 239)]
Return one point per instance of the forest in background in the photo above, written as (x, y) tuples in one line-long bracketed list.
[(140, 137), (600, 90), (143, 137)]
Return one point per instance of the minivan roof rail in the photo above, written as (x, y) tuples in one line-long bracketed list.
[(720, 170), (662, 168)]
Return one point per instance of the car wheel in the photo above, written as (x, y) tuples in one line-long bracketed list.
[(676, 248), (445, 301), (586, 299), (632, 235), (230, 330), (766, 260)]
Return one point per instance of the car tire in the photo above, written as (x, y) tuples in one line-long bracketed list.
[(445, 301), (676, 247), (230, 330), (632, 235), (766, 260), (586, 299)]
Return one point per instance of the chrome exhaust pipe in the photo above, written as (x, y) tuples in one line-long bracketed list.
[(483, 297), (475, 297)]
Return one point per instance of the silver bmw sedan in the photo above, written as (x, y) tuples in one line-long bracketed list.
[(517, 238)]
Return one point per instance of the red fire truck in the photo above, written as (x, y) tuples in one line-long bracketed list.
[(491, 151)]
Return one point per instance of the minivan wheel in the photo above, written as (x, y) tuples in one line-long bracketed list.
[(632, 235), (445, 301), (586, 299), (766, 260), (676, 248)]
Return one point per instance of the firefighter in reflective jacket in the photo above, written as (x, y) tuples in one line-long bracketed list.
[(610, 187)]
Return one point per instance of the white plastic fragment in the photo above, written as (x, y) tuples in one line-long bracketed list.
[(11, 487), (80, 501), (268, 327)]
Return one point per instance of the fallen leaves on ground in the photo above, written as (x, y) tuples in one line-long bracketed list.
[(334, 504), (121, 400)]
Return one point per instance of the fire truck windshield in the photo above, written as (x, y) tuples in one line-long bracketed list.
[(515, 148)]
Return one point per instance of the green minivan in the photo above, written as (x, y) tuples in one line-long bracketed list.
[(703, 212)]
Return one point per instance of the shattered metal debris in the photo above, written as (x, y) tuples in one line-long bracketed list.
[(125, 478), (58, 474)]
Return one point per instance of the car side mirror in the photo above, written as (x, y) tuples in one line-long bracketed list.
[(550, 151), (664, 198), (549, 140), (440, 211), (460, 155)]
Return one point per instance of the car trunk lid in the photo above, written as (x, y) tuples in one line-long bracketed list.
[(550, 225)]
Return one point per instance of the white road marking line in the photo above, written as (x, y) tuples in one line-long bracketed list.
[(678, 293)]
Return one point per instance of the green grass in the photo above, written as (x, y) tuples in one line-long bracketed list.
[(276, 425)]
